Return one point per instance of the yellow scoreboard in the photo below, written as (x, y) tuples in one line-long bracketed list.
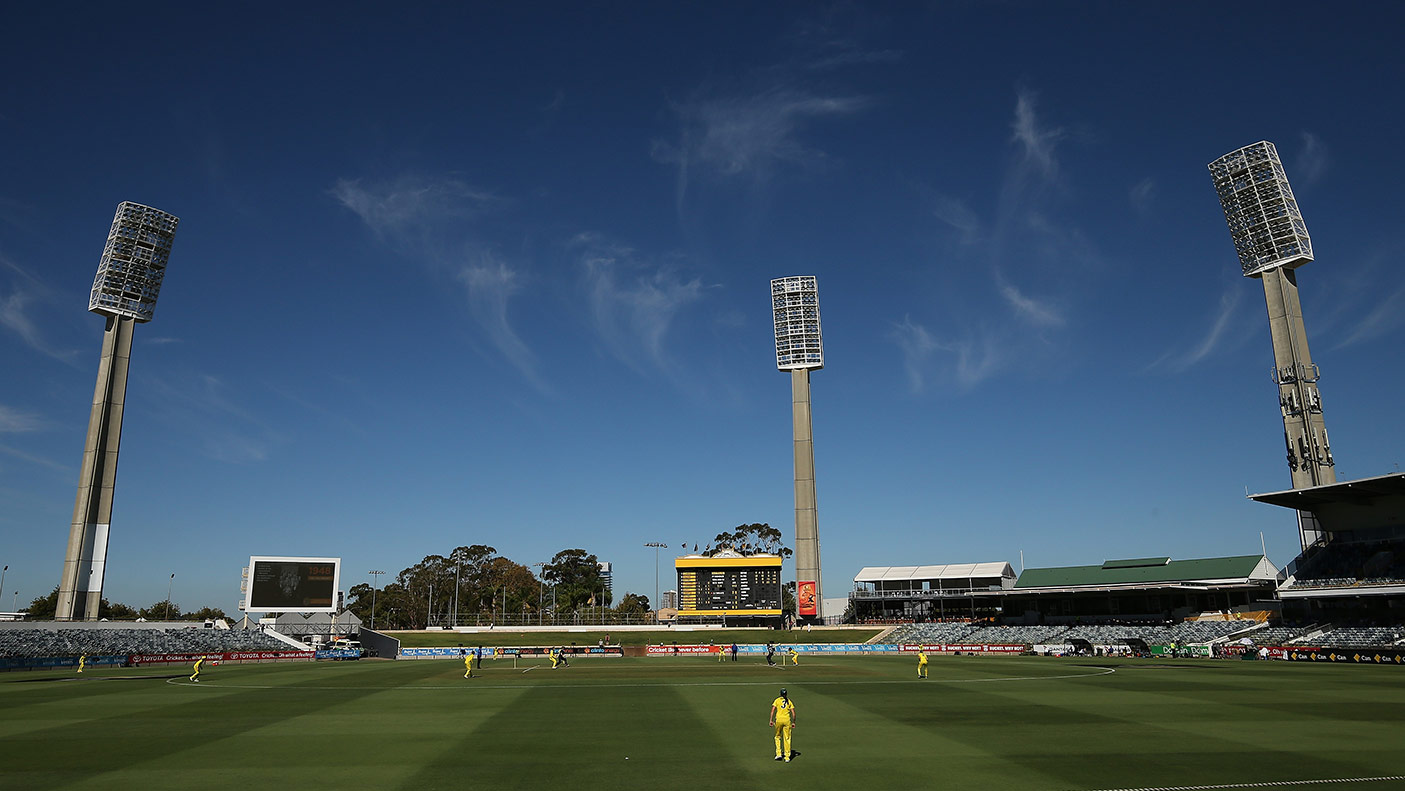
[(729, 585)]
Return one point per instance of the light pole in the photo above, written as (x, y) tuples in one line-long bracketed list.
[(458, 570), (374, 585), (795, 308), (169, 585), (3, 572), (540, 574), (656, 545)]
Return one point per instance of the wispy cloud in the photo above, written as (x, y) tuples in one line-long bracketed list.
[(16, 310), (427, 218), (491, 283), (215, 415), (633, 303), (411, 202), (751, 135), (964, 362), (1142, 194), (14, 421), (956, 214), (1036, 142), (1311, 162), (1385, 318), (32, 459), (1178, 362), (1021, 277), (1033, 311), (849, 55), (1022, 233)]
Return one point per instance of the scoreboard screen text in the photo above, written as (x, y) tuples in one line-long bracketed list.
[(718, 588), (292, 584)]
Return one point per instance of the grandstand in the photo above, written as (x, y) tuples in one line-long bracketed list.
[(1144, 590), (1354, 574), (928, 593), (1156, 590), (24, 640), (1184, 633)]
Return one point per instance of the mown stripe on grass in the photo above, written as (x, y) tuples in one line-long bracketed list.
[(582, 737), (1083, 734), (160, 721)]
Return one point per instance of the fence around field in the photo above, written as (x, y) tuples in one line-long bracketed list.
[(837, 649), (458, 652), (1362, 656)]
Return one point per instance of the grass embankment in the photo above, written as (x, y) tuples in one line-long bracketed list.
[(508, 638)]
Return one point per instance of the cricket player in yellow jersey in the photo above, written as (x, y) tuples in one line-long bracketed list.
[(794, 656), (783, 720), (467, 665), (721, 653), (196, 675), (921, 663), (82, 662)]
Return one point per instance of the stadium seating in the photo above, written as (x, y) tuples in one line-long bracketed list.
[(930, 633), (1185, 633), (1339, 564), (1011, 635), (42, 642), (1278, 635), (1359, 636)]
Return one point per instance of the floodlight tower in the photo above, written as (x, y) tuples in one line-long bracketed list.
[(795, 309), (1272, 242), (124, 291)]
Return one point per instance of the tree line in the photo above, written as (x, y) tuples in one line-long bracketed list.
[(476, 584), (481, 586), (45, 608)]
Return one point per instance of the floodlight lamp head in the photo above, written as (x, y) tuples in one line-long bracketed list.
[(1263, 216), (133, 262), (795, 310)]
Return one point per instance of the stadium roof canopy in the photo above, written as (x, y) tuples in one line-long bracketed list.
[(951, 571), (1140, 572), (1361, 504)]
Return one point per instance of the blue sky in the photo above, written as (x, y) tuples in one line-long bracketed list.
[(500, 275)]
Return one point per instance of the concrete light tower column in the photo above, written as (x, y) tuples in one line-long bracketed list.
[(128, 281), (1272, 242), (795, 309)]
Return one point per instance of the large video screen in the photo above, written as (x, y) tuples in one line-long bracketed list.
[(282, 584)]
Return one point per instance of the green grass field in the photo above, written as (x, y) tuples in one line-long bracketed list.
[(863, 723)]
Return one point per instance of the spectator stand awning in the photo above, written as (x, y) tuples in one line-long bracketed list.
[(914, 577), (1362, 504)]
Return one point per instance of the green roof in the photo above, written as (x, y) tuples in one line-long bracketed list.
[(1139, 571)]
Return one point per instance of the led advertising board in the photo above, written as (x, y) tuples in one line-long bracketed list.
[(287, 584)]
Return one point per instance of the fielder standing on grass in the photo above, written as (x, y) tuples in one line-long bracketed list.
[(783, 721), (921, 663), (196, 675), (82, 662)]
